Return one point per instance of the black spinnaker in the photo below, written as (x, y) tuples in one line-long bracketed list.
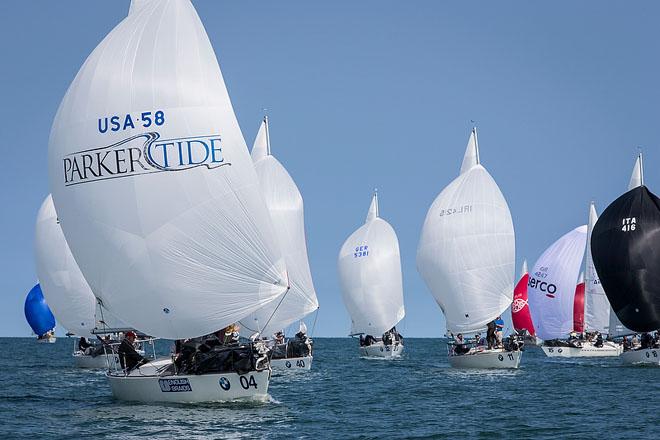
[(625, 245)]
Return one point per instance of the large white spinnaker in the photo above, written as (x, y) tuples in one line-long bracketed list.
[(466, 252), (596, 304), (369, 266), (153, 184), (62, 283), (285, 205), (551, 286)]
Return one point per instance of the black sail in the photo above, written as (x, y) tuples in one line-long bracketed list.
[(625, 245)]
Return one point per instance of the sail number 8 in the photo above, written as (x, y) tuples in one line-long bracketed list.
[(628, 224), (361, 251)]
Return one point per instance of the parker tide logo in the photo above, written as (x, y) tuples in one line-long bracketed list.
[(142, 154)]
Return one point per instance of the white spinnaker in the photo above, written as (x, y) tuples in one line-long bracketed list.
[(551, 286), (369, 266), (596, 304), (285, 205), (466, 252), (177, 242), (63, 285)]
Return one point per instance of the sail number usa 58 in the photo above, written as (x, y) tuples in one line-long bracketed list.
[(126, 122)]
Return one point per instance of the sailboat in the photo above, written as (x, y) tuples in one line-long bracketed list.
[(559, 300), (161, 206), (285, 205), (625, 251), (68, 294), (369, 265), (520, 314), (39, 316), (466, 256)]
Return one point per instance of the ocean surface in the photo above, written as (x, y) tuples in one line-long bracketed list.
[(418, 396)]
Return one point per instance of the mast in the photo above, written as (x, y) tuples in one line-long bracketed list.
[(476, 143), (267, 135)]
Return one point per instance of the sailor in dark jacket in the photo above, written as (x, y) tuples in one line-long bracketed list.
[(128, 356)]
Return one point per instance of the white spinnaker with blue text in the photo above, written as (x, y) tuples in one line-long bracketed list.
[(552, 281), (466, 252), (64, 286), (153, 183), (369, 265), (285, 205), (596, 305)]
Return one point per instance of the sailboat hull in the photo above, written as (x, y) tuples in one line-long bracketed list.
[(50, 340), (648, 356), (487, 359), (380, 350), (609, 349), (292, 364), (98, 362), (146, 385)]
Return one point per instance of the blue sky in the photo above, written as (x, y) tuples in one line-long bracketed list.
[(374, 94)]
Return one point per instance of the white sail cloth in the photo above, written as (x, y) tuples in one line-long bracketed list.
[(285, 205), (63, 285), (369, 266), (596, 304), (155, 190), (551, 286), (466, 252)]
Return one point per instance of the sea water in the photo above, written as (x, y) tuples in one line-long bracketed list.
[(419, 396)]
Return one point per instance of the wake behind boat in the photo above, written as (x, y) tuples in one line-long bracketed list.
[(369, 265), (466, 257)]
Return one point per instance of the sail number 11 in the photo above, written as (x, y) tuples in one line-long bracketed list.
[(628, 224)]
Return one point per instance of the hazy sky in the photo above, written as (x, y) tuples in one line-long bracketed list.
[(374, 94)]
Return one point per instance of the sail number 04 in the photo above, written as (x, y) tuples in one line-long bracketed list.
[(125, 122)]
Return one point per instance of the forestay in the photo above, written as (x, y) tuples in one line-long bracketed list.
[(152, 181), (467, 247), (596, 305), (552, 285), (369, 266), (285, 205), (63, 285)]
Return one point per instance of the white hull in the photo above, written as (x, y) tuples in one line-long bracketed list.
[(609, 349), (145, 385), (497, 358), (380, 350), (50, 340), (99, 362), (293, 364), (649, 356)]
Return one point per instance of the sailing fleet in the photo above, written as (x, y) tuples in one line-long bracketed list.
[(197, 238)]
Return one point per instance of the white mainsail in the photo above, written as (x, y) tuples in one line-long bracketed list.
[(156, 192), (285, 205), (63, 285), (466, 252), (369, 266), (551, 287), (596, 304)]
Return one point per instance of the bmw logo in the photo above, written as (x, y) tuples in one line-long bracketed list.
[(224, 383), (288, 364), (559, 350), (500, 357)]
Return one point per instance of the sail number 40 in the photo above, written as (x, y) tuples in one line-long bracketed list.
[(628, 224)]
